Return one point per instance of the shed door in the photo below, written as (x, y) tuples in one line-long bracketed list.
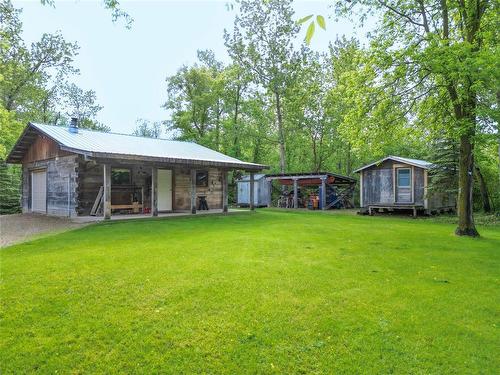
[(39, 191), (403, 185), (164, 190)]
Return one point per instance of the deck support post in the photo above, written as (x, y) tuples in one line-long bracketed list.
[(107, 192), (252, 192), (270, 190), (323, 192), (154, 191), (224, 192), (193, 191), (295, 194)]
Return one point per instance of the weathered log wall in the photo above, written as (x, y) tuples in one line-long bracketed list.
[(73, 182), (62, 185)]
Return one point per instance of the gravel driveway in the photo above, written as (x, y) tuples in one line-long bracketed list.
[(22, 227)]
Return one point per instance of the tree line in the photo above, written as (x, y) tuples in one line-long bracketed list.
[(426, 87)]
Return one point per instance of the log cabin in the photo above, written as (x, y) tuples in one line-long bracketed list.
[(67, 171), (398, 183)]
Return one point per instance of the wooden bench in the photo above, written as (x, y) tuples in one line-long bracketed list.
[(135, 207)]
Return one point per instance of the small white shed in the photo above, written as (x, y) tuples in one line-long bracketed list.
[(262, 191)]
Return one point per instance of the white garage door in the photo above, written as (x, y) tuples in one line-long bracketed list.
[(39, 191)]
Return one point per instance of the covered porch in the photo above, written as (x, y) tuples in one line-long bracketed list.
[(119, 189)]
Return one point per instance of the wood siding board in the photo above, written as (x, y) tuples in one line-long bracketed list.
[(43, 148), (419, 186), (213, 191), (426, 179)]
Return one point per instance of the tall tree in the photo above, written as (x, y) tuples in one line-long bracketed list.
[(25, 70), (82, 105), (425, 47), (193, 98), (262, 43), (312, 127), (147, 128)]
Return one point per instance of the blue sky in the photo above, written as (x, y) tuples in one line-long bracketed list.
[(127, 68)]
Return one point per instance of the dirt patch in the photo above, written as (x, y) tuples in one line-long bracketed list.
[(22, 227)]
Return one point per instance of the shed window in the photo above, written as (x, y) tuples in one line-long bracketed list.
[(120, 176), (404, 177), (202, 178)]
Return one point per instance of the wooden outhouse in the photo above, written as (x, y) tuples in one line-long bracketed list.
[(397, 183)]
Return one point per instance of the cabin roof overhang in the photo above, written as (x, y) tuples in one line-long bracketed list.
[(32, 131), (414, 162)]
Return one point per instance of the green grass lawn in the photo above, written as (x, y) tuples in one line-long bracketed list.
[(270, 292)]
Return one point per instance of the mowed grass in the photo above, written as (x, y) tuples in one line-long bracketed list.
[(270, 292)]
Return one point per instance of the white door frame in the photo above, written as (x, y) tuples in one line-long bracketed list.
[(32, 190), (410, 169), (165, 192)]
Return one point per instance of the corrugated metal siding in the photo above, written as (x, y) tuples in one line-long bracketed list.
[(261, 192)]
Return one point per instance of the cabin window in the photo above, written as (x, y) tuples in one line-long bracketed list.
[(120, 176), (404, 177), (202, 178)]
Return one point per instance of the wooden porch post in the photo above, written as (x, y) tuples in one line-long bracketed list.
[(270, 190), (154, 191), (193, 191), (361, 188), (224, 191), (295, 194), (323, 192), (252, 180), (107, 192)]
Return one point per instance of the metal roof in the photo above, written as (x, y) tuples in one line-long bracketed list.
[(122, 146), (415, 162)]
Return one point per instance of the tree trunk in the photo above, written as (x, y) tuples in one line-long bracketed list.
[(466, 225), (348, 160), (484, 190), (281, 134), (315, 155), (236, 130), (217, 128)]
